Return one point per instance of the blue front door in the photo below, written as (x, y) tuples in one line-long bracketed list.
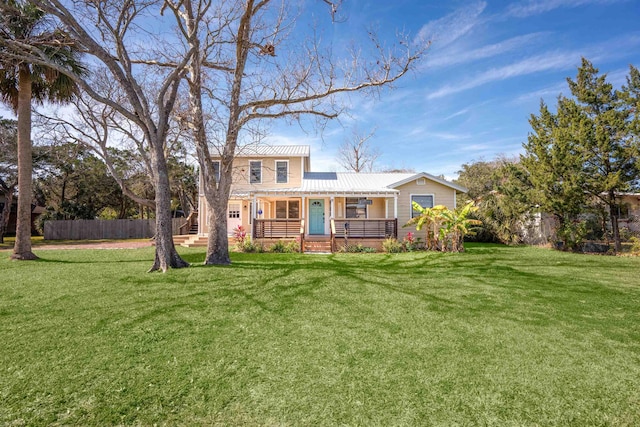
[(316, 216)]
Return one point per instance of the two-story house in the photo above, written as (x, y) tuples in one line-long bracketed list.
[(275, 195)]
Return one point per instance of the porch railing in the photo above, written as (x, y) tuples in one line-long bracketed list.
[(276, 228), (365, 228)]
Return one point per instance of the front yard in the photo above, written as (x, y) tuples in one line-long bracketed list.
[(494, 336)]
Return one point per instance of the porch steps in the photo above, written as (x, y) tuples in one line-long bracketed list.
[(317, 245), (190, 240)]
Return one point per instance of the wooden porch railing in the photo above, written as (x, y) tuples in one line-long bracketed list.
[(364, 228), (189, 222), (276, 228)]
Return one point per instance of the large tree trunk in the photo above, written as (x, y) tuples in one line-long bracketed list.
[(218, 246), (166, 254), (615, 227), (22, 247)]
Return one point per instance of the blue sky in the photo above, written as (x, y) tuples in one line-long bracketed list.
[(489, 65)]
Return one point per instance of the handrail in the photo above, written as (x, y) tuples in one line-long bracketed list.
[(190, 220), (333, 235)]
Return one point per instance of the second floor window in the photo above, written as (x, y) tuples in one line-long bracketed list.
[(216, 170), (255, 172), (282, 172)]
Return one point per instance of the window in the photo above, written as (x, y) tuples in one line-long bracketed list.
[(216, 170), (255, 172), (234, 210), (356, 208), (423, 200), (282, 171), (287, 209)]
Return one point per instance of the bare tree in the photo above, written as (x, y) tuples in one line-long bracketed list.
[(112, 33), (246, 68), (357, 154)]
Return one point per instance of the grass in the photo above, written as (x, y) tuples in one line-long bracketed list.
[(495, 336)]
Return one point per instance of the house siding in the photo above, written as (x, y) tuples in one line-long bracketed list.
[(241, 173), (442, 195)]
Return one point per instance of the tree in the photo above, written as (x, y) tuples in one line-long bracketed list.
[(23, 81), (116, 34), (609, 152), (8, 171), (554, 164), (72, 183), (589, 147), (501, 192), (456, 224), (356, 154), (237, 75)]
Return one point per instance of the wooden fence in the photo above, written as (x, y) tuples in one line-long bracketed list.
[(96, 229)]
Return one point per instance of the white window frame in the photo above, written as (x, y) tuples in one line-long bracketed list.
[(411, 196), (250, 173), (286, 181)]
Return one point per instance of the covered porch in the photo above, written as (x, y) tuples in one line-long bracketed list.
[(324, 217)]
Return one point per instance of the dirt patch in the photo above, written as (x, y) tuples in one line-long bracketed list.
[(125, 244)]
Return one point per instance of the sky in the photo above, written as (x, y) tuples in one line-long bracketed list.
[(489, 65)]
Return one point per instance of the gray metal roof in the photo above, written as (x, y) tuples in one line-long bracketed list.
[(263, 150), (346, 183), (341, 182)]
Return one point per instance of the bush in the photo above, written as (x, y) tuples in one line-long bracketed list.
[(391, 246), (359, 248), (635, 245), (278, 247), (249, 247)]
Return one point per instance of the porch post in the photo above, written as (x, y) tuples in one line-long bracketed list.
[(332, 210), (395, 206), (386, 208), (303, 211), (254, 209)]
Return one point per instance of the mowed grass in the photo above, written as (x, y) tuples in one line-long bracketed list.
[(495, 336)]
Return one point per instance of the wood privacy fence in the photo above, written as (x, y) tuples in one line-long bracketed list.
[(95, 229)]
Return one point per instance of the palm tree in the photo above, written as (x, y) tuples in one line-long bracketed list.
[(22, 82), (456, 225), (431, 219)]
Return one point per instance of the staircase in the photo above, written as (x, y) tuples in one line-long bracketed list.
[(190, 240), (317, 245)]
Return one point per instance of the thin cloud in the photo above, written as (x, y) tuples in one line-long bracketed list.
[(448, 58), (537, 7), (449, 28), (545, 62)]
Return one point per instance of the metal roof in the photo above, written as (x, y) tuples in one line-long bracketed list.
[(314, 182), (351, 183), (263, 150)]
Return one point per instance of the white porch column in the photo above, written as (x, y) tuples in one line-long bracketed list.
[(332, 209), (254, 209), (386, 208), (395, 206)]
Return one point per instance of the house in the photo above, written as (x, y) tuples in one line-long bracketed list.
[(629, 212), (275, 195)]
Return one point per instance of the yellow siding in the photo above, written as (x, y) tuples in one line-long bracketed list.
[(241, 173), (376, 209), (442, 195)]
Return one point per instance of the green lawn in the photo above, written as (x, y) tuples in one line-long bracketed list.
[(495, 336)]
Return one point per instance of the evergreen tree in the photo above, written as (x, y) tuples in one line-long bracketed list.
[(553, 160), (603, 135)]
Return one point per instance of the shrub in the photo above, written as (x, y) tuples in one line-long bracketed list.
[(240, 236), (635, 245), (391, 246), (278, 247), (359, 248)]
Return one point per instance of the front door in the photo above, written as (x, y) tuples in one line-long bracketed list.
[(233, 217), (316, 216)]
